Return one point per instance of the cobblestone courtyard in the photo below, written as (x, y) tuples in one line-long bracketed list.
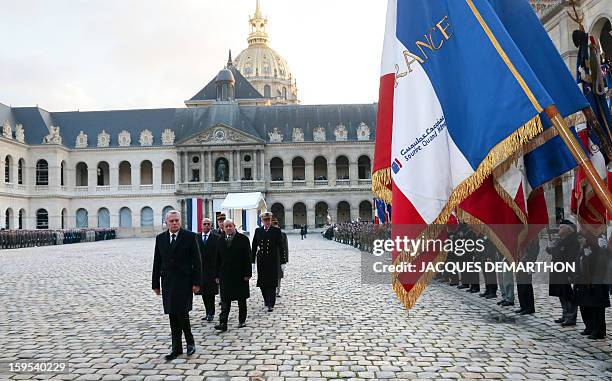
[(91, 304)]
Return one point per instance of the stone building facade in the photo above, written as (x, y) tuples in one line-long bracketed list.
[(125, 168)]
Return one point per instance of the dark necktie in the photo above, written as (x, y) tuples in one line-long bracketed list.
[(173, 240), (205, 238)]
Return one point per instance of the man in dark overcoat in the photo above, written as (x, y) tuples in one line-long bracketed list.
[(178, 264), (565, 250), (267, 251), (208, 250), (233, 274)]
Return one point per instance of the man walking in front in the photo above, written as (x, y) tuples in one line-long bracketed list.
[(267, 251), (234, 273), (177, 262), (208, 249)]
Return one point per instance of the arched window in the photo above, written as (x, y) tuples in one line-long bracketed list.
[(320, 168), (42, 172), (81, 175), (164, 212), (21, 219), (299, 215), (125, 217), (146, 173), (20, 171), (146, 217), (42, 219), (221, 169), (82, 218), (276, 169), (321, 213), (168, 172), (278, 210), (267, 91), (602, 31), (103, 218), (103, 174), (342, 168), (8, 218), (8, 164), (62, 173), (365, 211), (344, 212), (364, 168), (125, 173), (298, 167)]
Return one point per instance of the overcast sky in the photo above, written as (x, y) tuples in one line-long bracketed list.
[(123, 54)]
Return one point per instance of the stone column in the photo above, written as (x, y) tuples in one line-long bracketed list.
[(238, 164), (230, 161), (309, 174), (288, 219), (287, 174), (263, 165), (157, 180), (92, 177), (114, 177), (202, 167), (354, 173), (135, 169), (255, 159), (331, 173), (186, 167), (211, 172), (54, 177), (2, 158), (310, 217), (354, 212), (333, 213)]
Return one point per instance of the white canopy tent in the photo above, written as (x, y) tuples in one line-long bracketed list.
[(244, 209)]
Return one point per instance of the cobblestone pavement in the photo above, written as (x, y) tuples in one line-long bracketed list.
[(91, 304)]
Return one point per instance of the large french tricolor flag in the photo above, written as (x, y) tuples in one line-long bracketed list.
[(195, 214), (457, 98)]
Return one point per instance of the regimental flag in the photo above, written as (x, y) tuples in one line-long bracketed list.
[(457, 99), (381, 211), (195, 215)]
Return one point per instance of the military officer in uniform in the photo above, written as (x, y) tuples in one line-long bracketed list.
[(208, 250), (220, 228), (267, 251)]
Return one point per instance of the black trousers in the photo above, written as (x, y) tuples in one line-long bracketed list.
[(524, 289), (594, 319), (179, 324), (269, 296), (226, 305), (209, 303)]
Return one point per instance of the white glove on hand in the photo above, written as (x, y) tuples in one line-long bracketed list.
[(253, 268), (283, 268)]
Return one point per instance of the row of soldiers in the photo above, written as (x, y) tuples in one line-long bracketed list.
[(15, 239), (360, 235)]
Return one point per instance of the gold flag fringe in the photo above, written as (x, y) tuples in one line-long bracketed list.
[(510, 202), (501, 152), (381, 184)]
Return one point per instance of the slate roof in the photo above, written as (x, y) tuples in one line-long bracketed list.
[(242, 88), (256, 121)]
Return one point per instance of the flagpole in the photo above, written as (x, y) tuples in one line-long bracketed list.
[(578, 153)]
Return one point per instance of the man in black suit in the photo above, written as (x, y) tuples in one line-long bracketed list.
[(207, 242), (233, 274), (268, 251), (177, 262)]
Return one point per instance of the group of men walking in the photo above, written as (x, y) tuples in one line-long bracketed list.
[(218, 261)]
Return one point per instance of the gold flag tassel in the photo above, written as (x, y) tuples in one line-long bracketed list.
[(381, 184)]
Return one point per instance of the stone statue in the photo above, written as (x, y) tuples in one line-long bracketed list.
[(222, 171)]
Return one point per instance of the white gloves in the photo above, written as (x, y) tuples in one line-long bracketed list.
[(253, 268)]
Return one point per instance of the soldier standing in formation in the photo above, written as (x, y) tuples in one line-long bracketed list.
[(267, 251), (178, 263), (208, 249), (233, 274)]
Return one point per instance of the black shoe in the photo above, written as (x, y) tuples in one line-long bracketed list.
[(210, 318), (528, 312), (221, 327), (171, 356), (500, 302), (462, 286), (453, 284), (519, 311), (560, 320), (483, 294), (270, 309), (506, 303), (190, 349), (596, 337), (491, 296), (242, 325), (568, 324), (585, 333)]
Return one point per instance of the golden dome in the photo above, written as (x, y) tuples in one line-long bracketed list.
[(261, 65)]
